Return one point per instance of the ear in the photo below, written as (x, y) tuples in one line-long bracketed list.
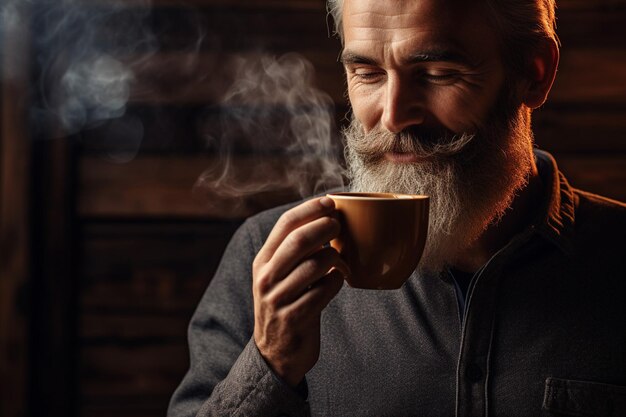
[(541, 74)]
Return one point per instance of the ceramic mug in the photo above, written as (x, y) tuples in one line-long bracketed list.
[(382, 236)]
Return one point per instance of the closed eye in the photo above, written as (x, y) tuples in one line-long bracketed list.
[(443, 78), (366, 75)]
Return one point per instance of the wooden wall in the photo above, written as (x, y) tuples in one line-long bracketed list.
[(15, 227), (583, 122), (123, 247)]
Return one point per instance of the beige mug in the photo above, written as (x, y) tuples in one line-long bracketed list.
[(382, 236)]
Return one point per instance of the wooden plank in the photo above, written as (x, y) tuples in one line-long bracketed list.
[(591, 75), (183, 78), (156, 328), (136, 310), (146, 186), (196, 128), (588, 23), (242, 4), (118, 409), (169, 270), (149, 128), (155, 186), (603, 174), (15, 225), (137, 367), (131, 374), (278, 30), (585, 128), (586, 5), (591, 24)]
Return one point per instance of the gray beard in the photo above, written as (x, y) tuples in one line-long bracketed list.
[(471, 179)]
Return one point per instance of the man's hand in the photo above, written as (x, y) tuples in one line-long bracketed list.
[(294, 278)]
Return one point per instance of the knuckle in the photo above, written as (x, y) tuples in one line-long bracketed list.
[(263, 280), (298, 241), (257, 264), (286, 219), (273, 300)]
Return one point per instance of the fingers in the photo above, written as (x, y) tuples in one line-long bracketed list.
[(297, 243), (306, 274), (294, 278), (293, 219), (302, 243), (315, 299)]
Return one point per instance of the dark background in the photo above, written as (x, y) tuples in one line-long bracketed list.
[(104, 252)]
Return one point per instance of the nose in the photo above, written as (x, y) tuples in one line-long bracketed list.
[(403, 105)]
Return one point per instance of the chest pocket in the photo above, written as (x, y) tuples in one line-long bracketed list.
[(582, 398)]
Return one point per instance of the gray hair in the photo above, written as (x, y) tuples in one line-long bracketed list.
[(524, 24), (335, 9)]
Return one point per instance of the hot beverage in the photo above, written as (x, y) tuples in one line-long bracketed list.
[(382, 236)]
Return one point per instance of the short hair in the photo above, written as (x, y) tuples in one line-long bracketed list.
[(524, 25)]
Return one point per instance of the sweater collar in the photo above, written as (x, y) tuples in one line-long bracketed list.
[(555, 221)]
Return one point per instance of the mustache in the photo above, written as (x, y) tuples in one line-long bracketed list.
[(425, 142)]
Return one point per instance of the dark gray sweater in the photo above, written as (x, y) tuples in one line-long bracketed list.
[(543, 331)]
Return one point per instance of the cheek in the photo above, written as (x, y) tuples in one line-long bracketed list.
[(366, 106), (456, 112), (462, 109)]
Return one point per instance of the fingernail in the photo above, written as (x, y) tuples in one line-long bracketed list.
[(327, 202)]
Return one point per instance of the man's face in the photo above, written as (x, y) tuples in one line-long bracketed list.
[(433, 115), (425, 63)]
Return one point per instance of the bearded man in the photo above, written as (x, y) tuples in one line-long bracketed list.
[(518, 307)]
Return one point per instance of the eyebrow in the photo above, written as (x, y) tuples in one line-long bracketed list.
[(437, 56), (349, 57)]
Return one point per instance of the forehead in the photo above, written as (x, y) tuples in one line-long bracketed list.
[(380, 25)]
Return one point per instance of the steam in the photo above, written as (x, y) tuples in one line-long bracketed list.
[(276, 133), (85, 55), (271, 132), (11, 37), (96, 88)]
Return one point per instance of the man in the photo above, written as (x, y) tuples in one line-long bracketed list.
[(518, 307)]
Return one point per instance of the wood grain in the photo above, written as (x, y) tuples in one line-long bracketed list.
[(131, 374), (236, 4), (169, 270), (163, 186), (586, 128), (592, 76), (15, 223), (206, 77)]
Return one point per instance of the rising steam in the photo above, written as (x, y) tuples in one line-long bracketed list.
[(273, 132), (83, 81)]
